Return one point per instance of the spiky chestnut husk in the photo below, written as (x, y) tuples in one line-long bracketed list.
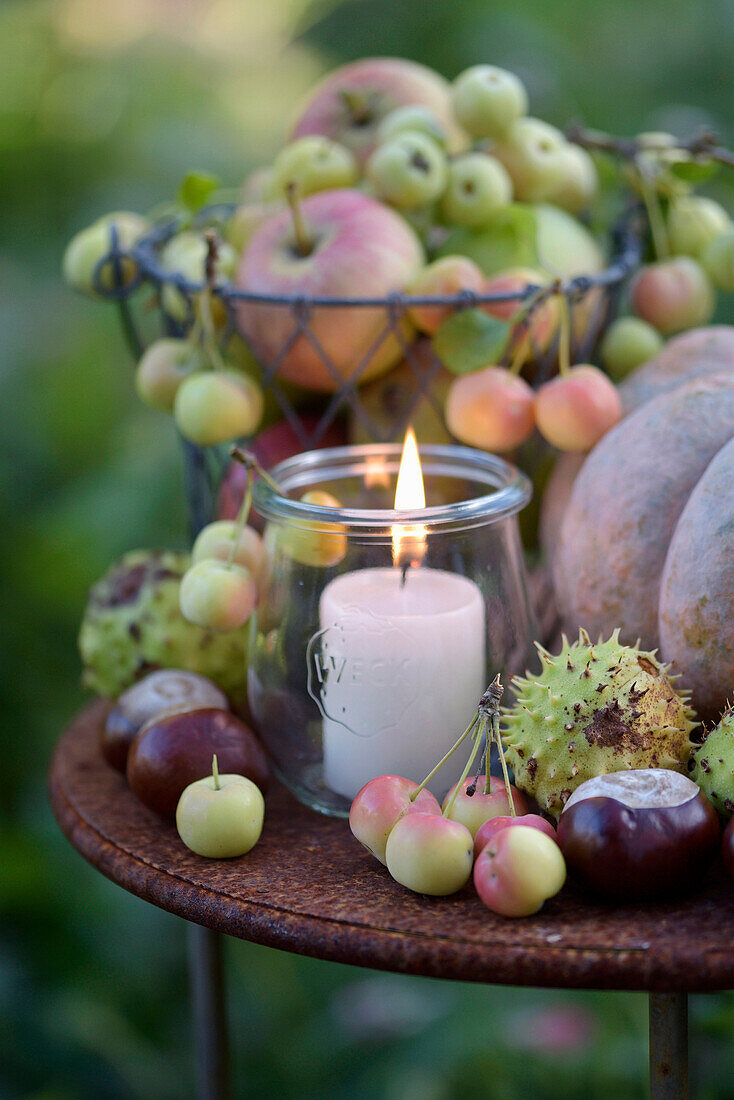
[(133, 624), (713, 765), (594, 709)]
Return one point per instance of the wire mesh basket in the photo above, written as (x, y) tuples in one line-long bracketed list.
[(312, 417)]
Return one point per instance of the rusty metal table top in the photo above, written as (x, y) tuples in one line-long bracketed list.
[(308, 887)]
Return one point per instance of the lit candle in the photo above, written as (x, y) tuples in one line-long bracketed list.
[(398, 664)]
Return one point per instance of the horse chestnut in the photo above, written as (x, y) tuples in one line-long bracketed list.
[(175, 748), (165, 689), (638, 834)]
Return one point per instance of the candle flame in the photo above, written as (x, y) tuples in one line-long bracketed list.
[(409, 540)]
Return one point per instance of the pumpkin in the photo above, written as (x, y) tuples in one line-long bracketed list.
[(637, 549)]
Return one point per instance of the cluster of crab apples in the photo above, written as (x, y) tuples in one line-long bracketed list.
[(640, 834), (515, 859)]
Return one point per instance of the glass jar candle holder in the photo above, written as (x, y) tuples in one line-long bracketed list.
[(378, 630)]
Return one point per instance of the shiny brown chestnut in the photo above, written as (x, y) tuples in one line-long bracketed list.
[(727, 848), (639, 834), (174, 749), (165, 689)]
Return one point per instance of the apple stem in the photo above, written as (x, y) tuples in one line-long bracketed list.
[(519, 324), (215, 773), (204, 322), (304, 244), (658, 231), (501, 751), (357, 103), (242, 517), (481, 726), (441, 762), (248, 459), (564, 335)]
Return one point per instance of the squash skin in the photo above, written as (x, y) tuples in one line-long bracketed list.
[(625, 505), (696, 613)]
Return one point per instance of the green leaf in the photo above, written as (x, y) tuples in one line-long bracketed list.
[(509, 240), (470, 340), (694, 171), (195, 190)]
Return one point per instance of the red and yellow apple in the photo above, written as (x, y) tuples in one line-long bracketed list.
[(355, 247), (350, 103)]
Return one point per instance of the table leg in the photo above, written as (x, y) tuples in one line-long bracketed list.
[(668, 1046), (208, 1011)]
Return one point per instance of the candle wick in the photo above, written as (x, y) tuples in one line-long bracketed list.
[(404, 573)]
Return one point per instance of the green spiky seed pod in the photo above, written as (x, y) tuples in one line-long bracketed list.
[(713, 765), (594, 709), (133, 625)]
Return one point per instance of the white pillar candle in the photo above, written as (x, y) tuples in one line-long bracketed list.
[(397, 671)]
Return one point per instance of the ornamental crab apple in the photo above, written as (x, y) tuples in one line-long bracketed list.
[(220, 816), (491, 409), (408, 171), (518, 870), (487, 100), (217, 595), (474, 809), (212, 407), (496, 824), (477, 185), (575, 409), (380, 804), (673, 295), (430, 854)]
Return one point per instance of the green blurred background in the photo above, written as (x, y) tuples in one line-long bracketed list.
[(105, 105)]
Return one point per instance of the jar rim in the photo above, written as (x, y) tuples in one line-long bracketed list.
[(511, 489)]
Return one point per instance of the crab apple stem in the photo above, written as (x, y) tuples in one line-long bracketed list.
[(564, 335), (441, 762), (242, 517), (248, 459), (503, 762), (519, 324), (481, 726), (304, 244), (658, 231), (471, 790), (215, 773)]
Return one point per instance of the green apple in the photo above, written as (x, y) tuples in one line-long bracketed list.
[(88, 248), (224, 539), (487, 100), (579, 183), (220, 816), (185, 255), (477, 185), (315, 542), (217, 406), (532, 152), (163, 367), (718, 261), (415, 118), (627, 343), (217, 595), (310, 164), (694, 221), (408, 171)]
